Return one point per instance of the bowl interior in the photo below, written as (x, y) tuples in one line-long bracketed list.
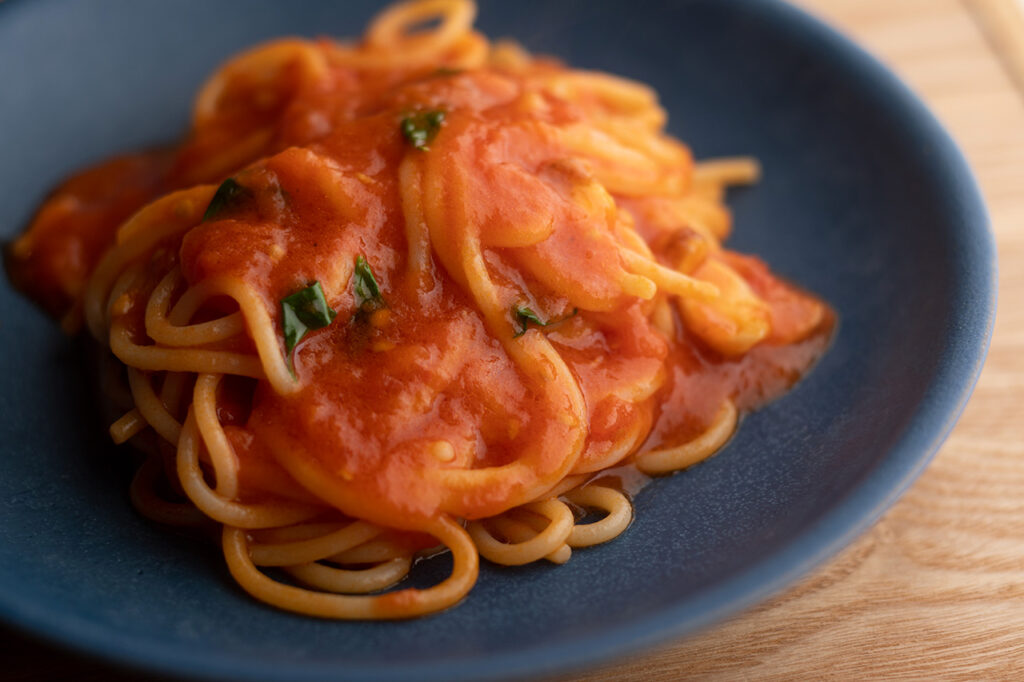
[(864, 201)]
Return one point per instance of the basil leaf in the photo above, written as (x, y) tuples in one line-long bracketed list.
[(420, 129), (367, 290), (227, 197), (525, 316), (304, 310), (294, 329)]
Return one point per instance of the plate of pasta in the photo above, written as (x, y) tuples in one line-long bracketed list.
[(455, 340)]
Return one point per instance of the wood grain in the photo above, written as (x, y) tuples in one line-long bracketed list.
[(935, 590), (1003, 23)]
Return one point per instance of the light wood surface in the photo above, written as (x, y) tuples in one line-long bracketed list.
[(936, 589)]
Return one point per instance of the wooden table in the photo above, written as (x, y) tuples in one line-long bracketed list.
[(936, 589)]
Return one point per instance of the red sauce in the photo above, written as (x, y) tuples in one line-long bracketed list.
[(76, 225), (375, 394)]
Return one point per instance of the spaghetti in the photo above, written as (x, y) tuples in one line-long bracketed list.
[(415, 293)]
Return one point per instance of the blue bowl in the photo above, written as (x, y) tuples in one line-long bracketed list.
[(865, 201)]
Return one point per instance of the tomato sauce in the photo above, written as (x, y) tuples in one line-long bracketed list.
[(423, 383)]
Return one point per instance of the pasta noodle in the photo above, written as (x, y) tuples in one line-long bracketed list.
[(414, 294)]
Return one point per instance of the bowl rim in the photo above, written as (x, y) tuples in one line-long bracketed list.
[(937, 413)]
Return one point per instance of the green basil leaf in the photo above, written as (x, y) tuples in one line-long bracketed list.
[(304, 310), (227, 197), (420, 129), (367, 290), (525, 316), (294, 329)]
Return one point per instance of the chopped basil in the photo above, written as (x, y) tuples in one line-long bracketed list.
[(304, 310), (447, 71), (361, 331), (420, 129), (368, 296), (525, 316), (227, 196)]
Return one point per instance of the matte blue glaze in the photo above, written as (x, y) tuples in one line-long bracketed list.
[(865, 201)]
